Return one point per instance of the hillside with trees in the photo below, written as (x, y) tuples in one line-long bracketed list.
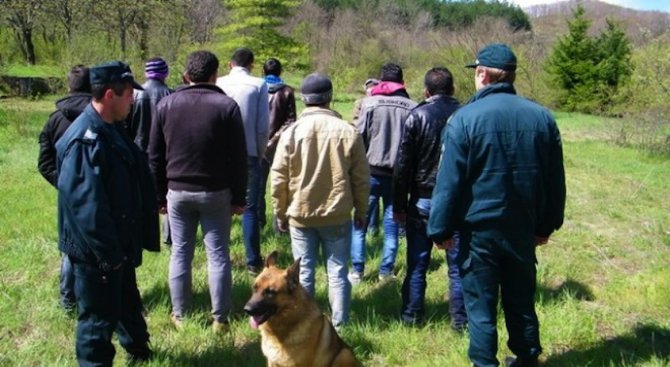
[(351, 39)]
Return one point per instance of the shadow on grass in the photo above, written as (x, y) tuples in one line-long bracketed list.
[(568, 289), (634, 348), (247, 355), (159, 295)]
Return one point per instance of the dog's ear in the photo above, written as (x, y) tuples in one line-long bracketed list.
[(271, 260), (293, 275)]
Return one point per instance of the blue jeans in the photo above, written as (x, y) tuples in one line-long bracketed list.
[(212, 210), (490, 267), (459, 317), (335, 244), (107, 302), (250, 224), (373, 223), (380, 187), (419, 247), (67, 294)]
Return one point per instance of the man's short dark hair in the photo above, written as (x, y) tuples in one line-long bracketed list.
[(242, 57), (201, 65), (391, 72), (272, 67), (78, 79), (98, 90), (439, 80)]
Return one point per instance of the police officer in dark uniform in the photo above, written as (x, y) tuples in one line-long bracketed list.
[(501, 186), (107, 214)]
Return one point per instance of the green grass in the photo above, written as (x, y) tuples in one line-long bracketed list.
[(43, 71), (603, 280)]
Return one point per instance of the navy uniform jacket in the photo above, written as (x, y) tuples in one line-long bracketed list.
[(107, 210), (501, 170)]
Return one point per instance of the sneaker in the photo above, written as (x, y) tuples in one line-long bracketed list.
[(383, 277), (177, 321), (220, 327), (355, 277)]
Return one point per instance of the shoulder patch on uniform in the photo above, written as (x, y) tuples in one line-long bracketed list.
[(90, 134)]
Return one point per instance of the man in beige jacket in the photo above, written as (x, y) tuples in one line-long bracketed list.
[(319, 174)]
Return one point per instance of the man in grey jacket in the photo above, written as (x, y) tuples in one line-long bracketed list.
[(251, 94), (381, 125)]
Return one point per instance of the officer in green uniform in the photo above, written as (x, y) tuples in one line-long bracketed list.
[(501, 185)]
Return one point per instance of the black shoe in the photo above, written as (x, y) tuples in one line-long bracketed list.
[(459, 327), (518, 362), (70, 308), (139, 355), (416, 321)]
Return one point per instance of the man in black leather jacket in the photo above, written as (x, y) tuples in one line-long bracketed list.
[(139, 121), (414, 179), (67, 110)]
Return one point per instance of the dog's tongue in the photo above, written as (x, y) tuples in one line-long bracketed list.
[(253, 323)]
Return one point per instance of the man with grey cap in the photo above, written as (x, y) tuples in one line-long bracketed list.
[(319, 174), (501, 186), (107, 214)]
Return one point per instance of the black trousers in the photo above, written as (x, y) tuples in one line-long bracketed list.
[(107, 302)]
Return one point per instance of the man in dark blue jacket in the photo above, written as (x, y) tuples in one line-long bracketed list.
[(501, 185), (67, 110), (413, 180), (107, 214)]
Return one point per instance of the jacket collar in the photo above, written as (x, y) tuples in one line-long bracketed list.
[(239, 70), (319, 110), (208, 86), (439, 97), (493, 89), (96, 124)]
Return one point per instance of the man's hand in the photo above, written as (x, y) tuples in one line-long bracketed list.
[(539, 241), (447, 244), (237, 209), (282, 226), (162, 209), (400, 218)]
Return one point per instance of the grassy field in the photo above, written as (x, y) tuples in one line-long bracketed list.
[(604, 279)]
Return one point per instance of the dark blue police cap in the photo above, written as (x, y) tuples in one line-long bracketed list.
[(111, 72), (495, 55)]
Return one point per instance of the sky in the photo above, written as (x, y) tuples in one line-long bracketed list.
[(663, 5)]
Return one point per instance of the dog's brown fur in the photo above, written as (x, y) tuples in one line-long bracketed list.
[(294, 331)]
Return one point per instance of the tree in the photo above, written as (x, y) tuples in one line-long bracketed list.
[(588, 71), (255, 24), (614, 66), (203, 17), (22, 16)]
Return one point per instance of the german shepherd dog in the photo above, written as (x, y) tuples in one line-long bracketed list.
[(294, 331)]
